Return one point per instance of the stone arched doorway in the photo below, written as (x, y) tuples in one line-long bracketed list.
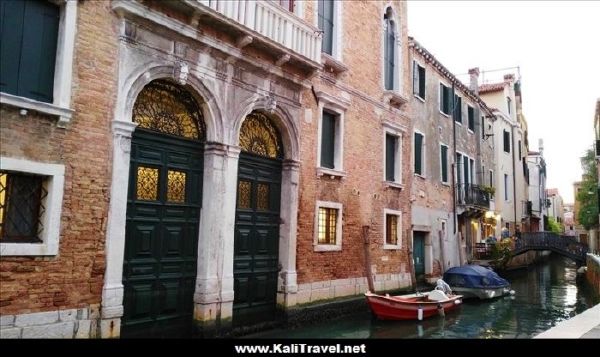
[(163, 212), (256, 241)]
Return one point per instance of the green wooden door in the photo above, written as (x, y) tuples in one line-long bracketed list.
[(163, 211), (256, 248), (419, 254)]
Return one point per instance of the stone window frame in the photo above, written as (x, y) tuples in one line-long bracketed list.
[(469, 130), (338, 30), (338, 227), (394, 130), (397, 76), (440, 94), (63, 71), (392, 212), (423, 173), (338, 107), (54, 184), (447, 182)]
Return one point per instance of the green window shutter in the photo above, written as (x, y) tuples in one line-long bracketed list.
[(325, 14), (418, 154), (442, 98), (482, 127), (11, 33), (444, 160), (328, 140), (457, 109), (422, 82), (466, 170), (506, 141), (38, 56), (471, 118), (390, 157)]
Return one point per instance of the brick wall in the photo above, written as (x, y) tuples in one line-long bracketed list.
[(73, 278), (361, 192)]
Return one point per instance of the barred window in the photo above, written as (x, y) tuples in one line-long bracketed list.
[(391, 233), (22, 199), (327, 225)]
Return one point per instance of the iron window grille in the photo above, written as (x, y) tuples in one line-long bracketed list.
[(22, 198)]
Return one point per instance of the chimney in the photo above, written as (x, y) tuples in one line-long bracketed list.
[(474, 82), (541, 146)]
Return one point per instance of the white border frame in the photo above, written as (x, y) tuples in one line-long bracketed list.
[(338, 228), (54, 184), (398, 245)]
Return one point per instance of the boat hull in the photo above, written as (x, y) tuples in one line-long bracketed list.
[(481, 293), (406, 307)]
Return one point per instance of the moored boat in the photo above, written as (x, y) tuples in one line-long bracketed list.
[(406, 307), (474, 281)]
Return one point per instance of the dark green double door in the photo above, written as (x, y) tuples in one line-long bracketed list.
[(256, 246), (163, 212)]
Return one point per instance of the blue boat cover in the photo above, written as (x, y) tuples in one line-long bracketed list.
[(474, 276)]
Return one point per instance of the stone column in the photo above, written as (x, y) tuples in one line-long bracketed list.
[(112, 292), (287, 286), (213, 298)]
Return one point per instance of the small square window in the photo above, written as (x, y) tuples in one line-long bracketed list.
[(392, 229), (22, 198), (328, 226)]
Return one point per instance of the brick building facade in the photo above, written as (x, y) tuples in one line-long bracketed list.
[(202, 163)]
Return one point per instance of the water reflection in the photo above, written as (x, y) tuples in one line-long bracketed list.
[(545, 294)]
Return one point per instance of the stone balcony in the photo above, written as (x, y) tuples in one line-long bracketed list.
[(265, 25)]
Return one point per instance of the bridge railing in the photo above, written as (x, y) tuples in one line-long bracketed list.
[(550, 240)]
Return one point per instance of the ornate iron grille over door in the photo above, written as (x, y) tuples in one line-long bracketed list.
[(163, 212), (256, 245)]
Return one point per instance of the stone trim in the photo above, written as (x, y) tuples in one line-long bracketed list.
[(331, 289), (54, 183), (70, 323)]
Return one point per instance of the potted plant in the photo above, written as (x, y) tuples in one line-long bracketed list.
[(489, 189)]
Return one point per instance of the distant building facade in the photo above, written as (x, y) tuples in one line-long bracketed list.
[(536, 207)]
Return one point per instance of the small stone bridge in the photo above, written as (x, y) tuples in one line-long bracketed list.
[(563, 245)]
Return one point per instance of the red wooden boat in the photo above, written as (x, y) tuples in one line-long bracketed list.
[(406, 307)]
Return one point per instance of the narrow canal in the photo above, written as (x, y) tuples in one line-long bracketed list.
[(545, 294)]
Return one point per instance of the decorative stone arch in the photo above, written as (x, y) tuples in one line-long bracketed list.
[(289, 133), (122, 126), (138, 79), (283, 120)]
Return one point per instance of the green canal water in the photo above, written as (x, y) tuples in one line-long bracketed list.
[(545, 294)]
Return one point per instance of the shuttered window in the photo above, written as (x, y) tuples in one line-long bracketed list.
[(519, 150), (328, 140), (444, 163), (482, 127), (389, 48), (418, 154), (325, 14), (418, 80), (506, 141), (457, 110), (471, 118), (28, 37), (445, 102), (390, 157)]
